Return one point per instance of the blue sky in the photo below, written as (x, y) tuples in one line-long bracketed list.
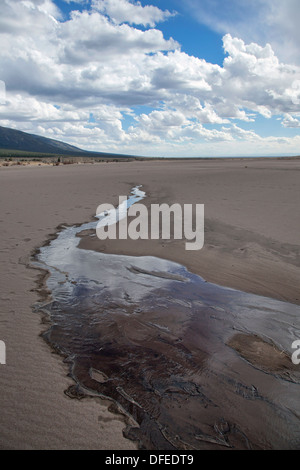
[(158, 77), (195, 38)]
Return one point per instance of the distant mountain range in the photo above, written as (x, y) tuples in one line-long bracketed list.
[(12, 139)]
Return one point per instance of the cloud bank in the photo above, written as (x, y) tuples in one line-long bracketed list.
[(261, 21), (106, 79)]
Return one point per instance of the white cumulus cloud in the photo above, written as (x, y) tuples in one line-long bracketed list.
[(132, 12), (261, 21), (290, 121), (99, 82)]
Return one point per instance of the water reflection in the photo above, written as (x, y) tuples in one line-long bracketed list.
[(182, 356)]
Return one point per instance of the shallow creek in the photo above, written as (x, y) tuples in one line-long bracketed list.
[(196, 365)]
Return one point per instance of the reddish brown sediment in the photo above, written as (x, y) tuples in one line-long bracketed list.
[(170, 361), (265, 355)]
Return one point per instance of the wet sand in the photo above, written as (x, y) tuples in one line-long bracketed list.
[(252, 244), (252, 222), (163, 344)]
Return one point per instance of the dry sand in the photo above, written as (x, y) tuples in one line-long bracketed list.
[(251, 243)]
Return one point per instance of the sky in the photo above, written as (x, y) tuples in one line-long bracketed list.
[(193, 78)]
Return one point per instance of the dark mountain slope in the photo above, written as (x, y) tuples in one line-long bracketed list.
[(12, 139)]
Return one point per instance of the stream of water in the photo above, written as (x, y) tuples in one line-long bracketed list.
[(198, 366)]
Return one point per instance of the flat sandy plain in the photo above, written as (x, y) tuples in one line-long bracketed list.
[(252, 243)]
